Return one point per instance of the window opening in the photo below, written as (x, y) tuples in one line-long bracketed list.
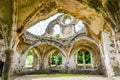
[(84, 59), (79, 58), (29, 59), (56, 59), (57, 31)]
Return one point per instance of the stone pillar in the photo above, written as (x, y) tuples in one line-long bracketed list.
[(46, 63), (116, 36), (64, 62), (18, 64), (84, 63), (118, 43), (109, 52), (72, 64), (36, 62)]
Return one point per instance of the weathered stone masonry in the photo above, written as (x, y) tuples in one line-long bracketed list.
[(105, 59)]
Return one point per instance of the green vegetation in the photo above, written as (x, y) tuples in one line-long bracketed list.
[(56, 36), (29, 59), (53, 59), (80, 57), (60, 75), (87, 57), (56, 59)]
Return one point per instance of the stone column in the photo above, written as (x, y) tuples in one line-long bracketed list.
[(84, 62), (18, 64), (72, 64), (109, 52), (35, 62), (64, 63)]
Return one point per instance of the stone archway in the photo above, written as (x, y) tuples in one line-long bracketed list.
[(86, 44), (23, 13), (43, 52)]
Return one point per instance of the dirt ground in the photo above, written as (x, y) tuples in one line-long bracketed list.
[(78, 77)]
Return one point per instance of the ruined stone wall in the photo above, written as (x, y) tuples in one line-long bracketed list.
[(110, 50), (66, 29), (105, 60), (65, 47), (105, 52)]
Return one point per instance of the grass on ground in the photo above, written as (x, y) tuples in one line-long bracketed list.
[(61, 75)]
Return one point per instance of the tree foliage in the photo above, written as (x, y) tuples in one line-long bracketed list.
[(80, 57), (87, 57), (56, 59), (29, 59), (30, 52)]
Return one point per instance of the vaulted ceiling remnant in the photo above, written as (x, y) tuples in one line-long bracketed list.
[(30, 12), (34, 12)]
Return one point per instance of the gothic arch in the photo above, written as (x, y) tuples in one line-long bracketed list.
[(88, 44), (86, 39), (54, 45)]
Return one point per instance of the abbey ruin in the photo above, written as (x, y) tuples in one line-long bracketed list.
[(98, 38)]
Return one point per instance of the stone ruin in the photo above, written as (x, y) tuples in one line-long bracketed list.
[(98, 38), (104, 50)]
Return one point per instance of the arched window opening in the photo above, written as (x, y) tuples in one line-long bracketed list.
[(84, 59), (79, 58), (87, 57), (56, 59), (79, 26), (29, 59), (57, 31)]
